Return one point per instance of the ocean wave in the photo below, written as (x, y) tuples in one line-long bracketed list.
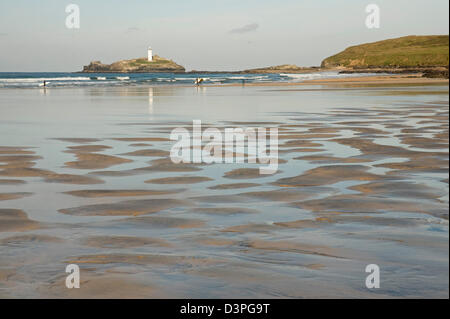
[(31, 80)]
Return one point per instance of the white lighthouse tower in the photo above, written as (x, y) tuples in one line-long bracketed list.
[(150, 54)]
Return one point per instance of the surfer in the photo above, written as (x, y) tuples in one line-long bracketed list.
[(44, 84)]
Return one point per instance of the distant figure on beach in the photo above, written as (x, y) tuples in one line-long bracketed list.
[(198, 81), (45, 84)]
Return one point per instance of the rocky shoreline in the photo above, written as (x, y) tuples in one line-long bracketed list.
[(433, 72), (285, 68)]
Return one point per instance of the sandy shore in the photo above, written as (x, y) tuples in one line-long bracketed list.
[(396, 79), (400, 79), (86, 178), (381, 79)]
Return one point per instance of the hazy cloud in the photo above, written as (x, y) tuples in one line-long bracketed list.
[(246, 28), (132, 29)]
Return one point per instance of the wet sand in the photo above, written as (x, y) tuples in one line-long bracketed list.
[(393, 79), (13, 220), (362, 178)]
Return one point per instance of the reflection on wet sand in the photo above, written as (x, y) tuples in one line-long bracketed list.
[(13, 220), (331, 174), (92, 193), (95, 161), (359, 184), (11, 181), (179, 180), (123, 241), (125, 208), (8, 196), (233, 186)]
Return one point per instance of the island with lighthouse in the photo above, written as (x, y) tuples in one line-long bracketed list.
[(151, 63), (426, 56)]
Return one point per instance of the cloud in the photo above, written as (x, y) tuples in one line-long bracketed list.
[(132, 29), (246, 28)]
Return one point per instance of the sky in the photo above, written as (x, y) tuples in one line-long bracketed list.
[(202, 34)]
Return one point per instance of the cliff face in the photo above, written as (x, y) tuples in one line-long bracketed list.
[(139, 65), (404, 52)]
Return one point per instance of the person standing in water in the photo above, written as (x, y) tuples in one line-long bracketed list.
[(198, 81)]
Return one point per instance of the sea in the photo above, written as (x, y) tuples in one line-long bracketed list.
[(70, 79)]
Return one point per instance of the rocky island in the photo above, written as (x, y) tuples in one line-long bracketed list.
[(140, 65)]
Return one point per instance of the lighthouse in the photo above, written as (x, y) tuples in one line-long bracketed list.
[(150, 54)]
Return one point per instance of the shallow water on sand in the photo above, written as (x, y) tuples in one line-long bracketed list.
[(85, 178)]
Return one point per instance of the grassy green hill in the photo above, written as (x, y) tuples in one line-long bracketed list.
[(404, 52)]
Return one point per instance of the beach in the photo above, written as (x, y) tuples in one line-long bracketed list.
[(384, 80), (86, 178)]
